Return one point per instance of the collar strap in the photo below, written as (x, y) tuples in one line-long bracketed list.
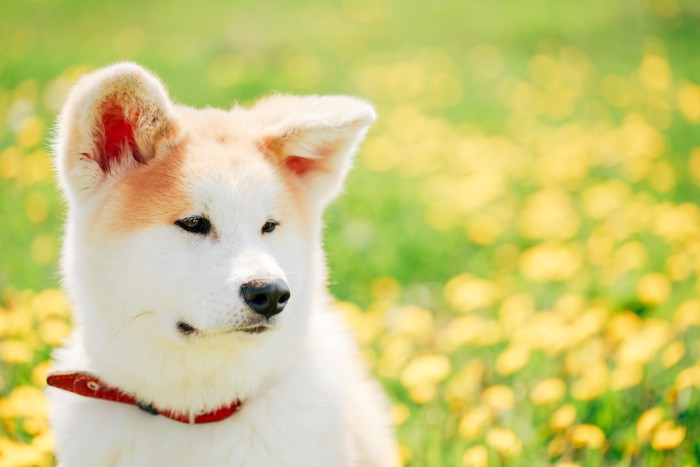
[(89, 385)]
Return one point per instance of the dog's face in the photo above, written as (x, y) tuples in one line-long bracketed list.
[(196, 226)]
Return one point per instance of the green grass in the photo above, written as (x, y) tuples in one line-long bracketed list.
[(507, 98)]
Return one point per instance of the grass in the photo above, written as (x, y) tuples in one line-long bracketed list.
[(524, 211)]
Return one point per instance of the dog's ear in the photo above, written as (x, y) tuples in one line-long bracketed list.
[(313, 138), (111, 122)]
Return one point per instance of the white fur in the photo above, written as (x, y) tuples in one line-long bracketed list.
[(307, 399)]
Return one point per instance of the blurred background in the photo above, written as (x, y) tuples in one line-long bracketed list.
[(518, 248)]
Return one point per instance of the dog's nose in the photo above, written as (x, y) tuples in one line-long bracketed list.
[(266, 297)]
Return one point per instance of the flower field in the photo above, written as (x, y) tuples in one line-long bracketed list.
[(518, 248)]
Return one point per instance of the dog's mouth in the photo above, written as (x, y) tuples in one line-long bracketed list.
[(257, 329), (187, 330)]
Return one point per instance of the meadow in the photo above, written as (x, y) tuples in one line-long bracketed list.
[(518, 247)]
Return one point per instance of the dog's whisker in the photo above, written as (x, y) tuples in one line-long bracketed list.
[(128, 322)]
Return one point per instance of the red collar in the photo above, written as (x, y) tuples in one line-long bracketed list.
[(89, 385)]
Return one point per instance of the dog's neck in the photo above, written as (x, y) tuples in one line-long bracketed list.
[(182, 377)]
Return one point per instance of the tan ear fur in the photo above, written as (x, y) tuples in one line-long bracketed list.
[(111, 122), (313, 138)]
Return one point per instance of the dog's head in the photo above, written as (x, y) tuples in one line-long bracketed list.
[(196, 225)]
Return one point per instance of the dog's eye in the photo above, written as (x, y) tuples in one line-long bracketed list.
[(269, 226), (195, 224)]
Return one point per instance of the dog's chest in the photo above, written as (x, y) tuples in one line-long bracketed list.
[(281, 428)]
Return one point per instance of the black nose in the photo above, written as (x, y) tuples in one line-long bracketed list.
[(266, 297)]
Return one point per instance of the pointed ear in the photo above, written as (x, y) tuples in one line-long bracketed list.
[(111, 122), (313, 138)]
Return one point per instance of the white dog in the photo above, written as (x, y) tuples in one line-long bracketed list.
[(204, 333)]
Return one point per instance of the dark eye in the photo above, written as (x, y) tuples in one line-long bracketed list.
[(269, 226), (195, 224)]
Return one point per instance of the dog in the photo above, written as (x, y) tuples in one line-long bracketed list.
[(204, 333)]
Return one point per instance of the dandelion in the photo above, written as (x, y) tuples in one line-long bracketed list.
[(673, 354), (689, 102), (688, 378), (466, 293), (499, 398), (626, 376), (563, 417), (512, 359), (504, 441), (477, 456), (472, 423), (422, 375), (647, 422), (16, 352), (550, 262), (548, 391), (587, 435), (653, 288), (687, 314), (30, 132), (24, 401), (667, 436)]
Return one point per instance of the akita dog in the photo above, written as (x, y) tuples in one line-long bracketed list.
[(204, 334)]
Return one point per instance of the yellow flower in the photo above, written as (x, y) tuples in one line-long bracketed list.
[(626, 376), (504, 441), (24, 401), (415, 322), (690, 377), (643, 345), (621, 325), (44, 442), (466, 293), (37, 207), (592, 383), (687, 314), (30, 132), (587, 435), (400, 414), (654, 73), (15, 352), (512, 359), (17, 454), (673, 354), (366, 325), (499, 398), (563, 417), (464, 386), (477, 456), (549, 215), (667, 436), (604, 199), (422, 375), (386, 288), (653, 288), (10, 162), (472, 423), (54, 331), (548, 391), (647, 422), (39, 373), (470, 329), (395, 351), (689, 102), (550, 262), (50, 302), (557, 446)]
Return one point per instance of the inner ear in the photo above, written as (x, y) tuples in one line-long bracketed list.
[(300, 166), (118, 136)]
